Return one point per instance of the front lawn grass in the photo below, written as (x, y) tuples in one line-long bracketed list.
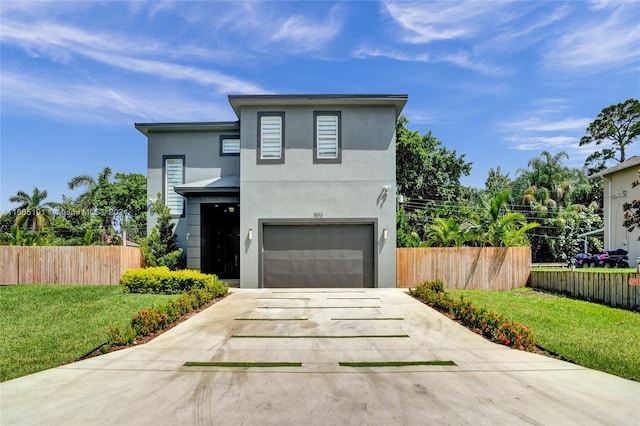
[(585, 333), (44, 326)]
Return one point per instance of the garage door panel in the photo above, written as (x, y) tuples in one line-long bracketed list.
[(318, 256)]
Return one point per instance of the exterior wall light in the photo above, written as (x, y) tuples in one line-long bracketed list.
[(250, 234), (385, 234)]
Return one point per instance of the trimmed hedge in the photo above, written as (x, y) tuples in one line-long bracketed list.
[(160, 280), (152, 320), (494, 327)]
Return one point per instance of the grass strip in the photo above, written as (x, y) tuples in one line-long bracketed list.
[(367, 319), (283, 298), (317, 307), (242, 364), (395, 363), (588, 334), (353, 298), (271, 319), (319, 291), (354, 336)]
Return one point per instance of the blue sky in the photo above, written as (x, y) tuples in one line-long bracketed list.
[(497, 81)]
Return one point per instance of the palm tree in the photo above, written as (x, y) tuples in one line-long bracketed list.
[(32, 211), (447, 233), (87, 200), (92, 199), (504, 228)]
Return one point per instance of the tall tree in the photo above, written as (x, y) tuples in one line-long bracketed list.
[(127, 197), (89, 198), (425, 169), (33, 211), (496, 182), (616, 124), (160, 248), (119, 205)]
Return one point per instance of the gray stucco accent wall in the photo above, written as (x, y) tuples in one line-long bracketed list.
[(201, 151), (362, 186)]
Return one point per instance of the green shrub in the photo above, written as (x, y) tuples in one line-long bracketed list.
[(160, 280), (149, 321), (480, 320), (432, 293), (117, 336)]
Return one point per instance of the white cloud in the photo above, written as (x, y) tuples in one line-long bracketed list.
[(103, 104), (538, 124), (368, 52), (64, 43), (547, 126), (610, 38), (425, 22), (304, 34), (464, 60), (553, 143), (460, 59)]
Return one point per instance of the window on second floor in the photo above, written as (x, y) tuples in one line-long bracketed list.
[(327, 142), (173, 176), (229, 145), (270, 137)]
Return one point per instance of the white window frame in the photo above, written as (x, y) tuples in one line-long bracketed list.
[(327, 141), (271, 137), (173, 170)]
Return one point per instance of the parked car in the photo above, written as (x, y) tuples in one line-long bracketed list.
[(612, 259), (583, 260)]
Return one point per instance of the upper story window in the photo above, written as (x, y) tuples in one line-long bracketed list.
[(173, 176), (327, 142), (229, 145), (270, 137)]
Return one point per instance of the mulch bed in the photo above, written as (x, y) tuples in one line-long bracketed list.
[(142, 340), (536, 350)]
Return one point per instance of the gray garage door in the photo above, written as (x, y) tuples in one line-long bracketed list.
[(318, 255)]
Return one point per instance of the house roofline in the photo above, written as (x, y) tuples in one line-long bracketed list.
[(631, 162), (146, 128), (398, 100)]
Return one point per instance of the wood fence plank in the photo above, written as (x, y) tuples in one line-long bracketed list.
[(496, 268), (66, 265), (611, 289)]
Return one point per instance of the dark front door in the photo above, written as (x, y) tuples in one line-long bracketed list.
[(220, 239)]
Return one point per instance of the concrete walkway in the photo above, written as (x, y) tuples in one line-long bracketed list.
[(149, 384)]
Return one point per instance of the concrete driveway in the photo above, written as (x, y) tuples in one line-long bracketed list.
[(489, 384)]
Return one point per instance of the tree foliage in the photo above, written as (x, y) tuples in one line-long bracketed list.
[(497, 182), (98, 215), (632, 210), (617, 125), (118, 205), (425, 169), (160, 248), (33, 212)]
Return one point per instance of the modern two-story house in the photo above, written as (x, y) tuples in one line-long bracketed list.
[(299, 192)]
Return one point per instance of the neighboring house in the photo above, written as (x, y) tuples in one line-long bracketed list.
[(300, 192), (617, 191)]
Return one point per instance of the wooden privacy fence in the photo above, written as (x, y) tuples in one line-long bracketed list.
[(67, 265), (618, 290), (487, 268)]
